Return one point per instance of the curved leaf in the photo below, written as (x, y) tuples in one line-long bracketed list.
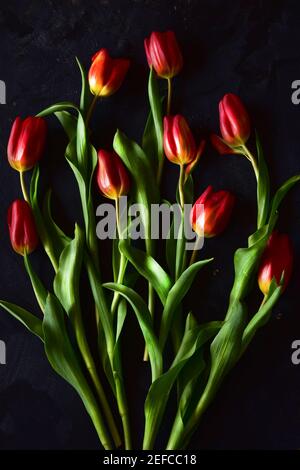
[(176, 295), (145, 321), (37, 285), (279, 196), (68, 122), (85, 97), (66, 281), (62, 106), (60, 239), (48, 243), (261, 317), (31, 322), (263, 186), (159, 392), (149, 268), (65, 362), (145, 187)]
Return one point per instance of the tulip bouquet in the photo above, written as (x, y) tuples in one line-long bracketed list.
[(202, 353)]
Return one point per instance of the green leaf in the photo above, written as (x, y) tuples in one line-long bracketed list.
[(149, 268), (31, 322), (145, 186), (85, 97), (64, 360), (159, 392), (245, 263), (59, 238), (279, 196), (171, 243), (63, 106), (176, 295), (180, 253), (115, 258), (66, 281), (47, 241), (226, 347), (145, 321), (102, 310), (81, 145), (37, 285), (68, 122), (84, 187), (121, 316), (153, 134), (263, 186), (262, 315)]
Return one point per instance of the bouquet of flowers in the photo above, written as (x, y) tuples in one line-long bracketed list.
[(183, 354)]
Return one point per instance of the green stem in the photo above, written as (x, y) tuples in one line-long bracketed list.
[(123, 409), (123, 261), (151, 307), (91, 367), (252, 159), (113, 351), (169, 96), (23, 187), (121, 273), (98, 422), (180, 433), (181, 186), (195, 251), (90, 110)]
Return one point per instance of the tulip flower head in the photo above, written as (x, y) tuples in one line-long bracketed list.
[(217, 209), (234, 120), (112, 177), (26, 142), (163, 54), (22, 228), (106, 74), (276, 262), (179, 143)]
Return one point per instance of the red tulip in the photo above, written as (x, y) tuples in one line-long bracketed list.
[(234, 120), (277, 260), (163, 54), (106, 75), (22, 228), (217, 209), (26, 142), (220, 146), (179, 143), (112, 176)]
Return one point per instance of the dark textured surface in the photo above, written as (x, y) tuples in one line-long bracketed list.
[(250, 48)]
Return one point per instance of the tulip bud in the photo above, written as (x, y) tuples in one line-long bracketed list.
[(163, 54), (277, 261), (217, 209), (26, 142), (22, 228), (234, 120), (220, 146), (179, 143), (112, 176), (106, 75)]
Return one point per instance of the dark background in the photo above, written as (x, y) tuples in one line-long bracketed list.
[(246, 47)]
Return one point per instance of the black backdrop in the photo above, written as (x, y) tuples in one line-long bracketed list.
[(249, 48)]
